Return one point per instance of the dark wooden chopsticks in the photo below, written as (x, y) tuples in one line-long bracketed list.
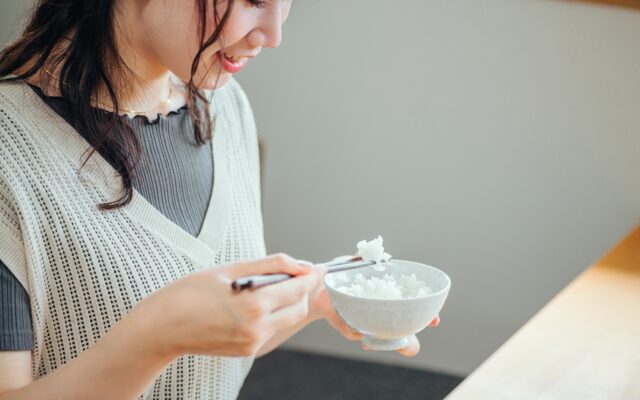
[(257, 281)]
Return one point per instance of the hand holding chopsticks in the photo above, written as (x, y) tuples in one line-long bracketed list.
[(257, 281)]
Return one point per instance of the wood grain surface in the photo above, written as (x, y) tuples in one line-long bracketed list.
[(584, 344), (622, 3)]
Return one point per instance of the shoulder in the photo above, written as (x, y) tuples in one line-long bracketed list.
[(27, 157), (13, 109), (13, 97), (12, 150), (10, 109), (20, 115), (17, 108)]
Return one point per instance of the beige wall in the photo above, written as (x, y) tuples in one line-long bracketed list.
[(496, 139)]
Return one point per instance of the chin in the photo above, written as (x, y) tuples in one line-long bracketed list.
[(213, 81)]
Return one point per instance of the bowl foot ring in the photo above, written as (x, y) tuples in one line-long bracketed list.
[(385, 344)]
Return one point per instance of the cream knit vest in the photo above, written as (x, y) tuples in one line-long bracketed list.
[(84, 269)]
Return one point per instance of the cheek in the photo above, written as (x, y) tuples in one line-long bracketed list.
[(239, 24), (210, 73), (177, 57), (171, 34)]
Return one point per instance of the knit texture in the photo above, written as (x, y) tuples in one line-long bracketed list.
[(175, 175), (170, 150), (84, 268), (15, 314)]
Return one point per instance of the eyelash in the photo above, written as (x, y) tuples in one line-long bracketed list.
[(258, 3)]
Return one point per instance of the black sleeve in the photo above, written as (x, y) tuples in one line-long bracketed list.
[(16, 331)]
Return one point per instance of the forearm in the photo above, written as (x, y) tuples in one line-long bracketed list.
[(282, 336), (119, 366)]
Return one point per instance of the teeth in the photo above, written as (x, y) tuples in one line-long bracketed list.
[(233, 58)]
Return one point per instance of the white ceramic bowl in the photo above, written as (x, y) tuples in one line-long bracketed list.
[(388, 324)]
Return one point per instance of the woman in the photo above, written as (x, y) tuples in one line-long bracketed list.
[(128, 169)]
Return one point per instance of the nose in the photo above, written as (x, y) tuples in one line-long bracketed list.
[(266, 36), (268, 33), (274, 37)]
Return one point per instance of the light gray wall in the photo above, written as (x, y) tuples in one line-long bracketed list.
[(496, 139), (12, 14)]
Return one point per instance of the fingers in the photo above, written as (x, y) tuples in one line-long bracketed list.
[(332, 317), (341, 326), (289, 292), (274, 264), (290, 315), (412, 348)]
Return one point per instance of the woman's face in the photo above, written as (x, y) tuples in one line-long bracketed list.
[(164, 34)]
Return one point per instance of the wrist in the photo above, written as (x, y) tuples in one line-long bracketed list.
[(319, 303), (151, 333)]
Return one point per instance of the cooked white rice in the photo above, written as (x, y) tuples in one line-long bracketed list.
[(373, 251), (390, 286)]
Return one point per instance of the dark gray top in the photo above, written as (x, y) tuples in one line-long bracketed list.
[(175, 175)]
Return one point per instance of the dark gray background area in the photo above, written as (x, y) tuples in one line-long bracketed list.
[(292, 375)]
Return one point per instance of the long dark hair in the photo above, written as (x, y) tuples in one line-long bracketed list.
[(90, 62)]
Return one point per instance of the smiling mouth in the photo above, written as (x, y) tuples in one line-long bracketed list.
[(231, 63), (235, 59)]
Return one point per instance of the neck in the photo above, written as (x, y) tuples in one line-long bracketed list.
[(145, 90), (142, 85), (152, 83), (153, 89), (145, 94)]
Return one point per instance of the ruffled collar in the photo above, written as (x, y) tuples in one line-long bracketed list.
[(137, 118)]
